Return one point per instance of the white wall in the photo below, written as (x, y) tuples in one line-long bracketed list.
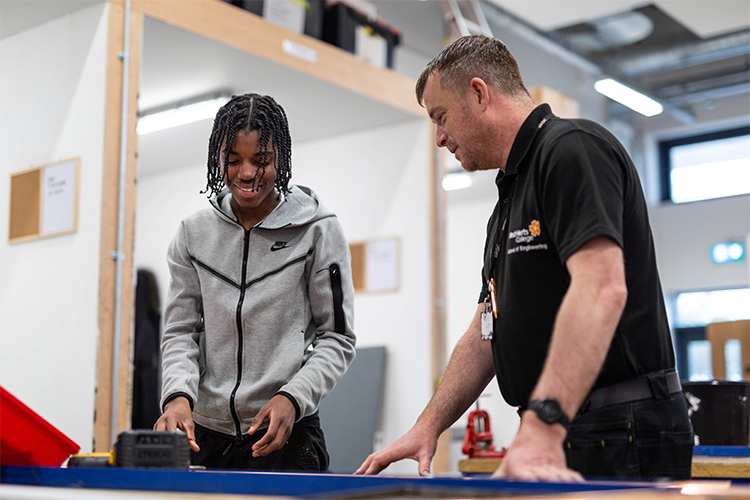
[(684, 233), (52, 88), (466, 227), (376, 183)]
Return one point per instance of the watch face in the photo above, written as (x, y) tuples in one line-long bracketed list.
[(549, 410)]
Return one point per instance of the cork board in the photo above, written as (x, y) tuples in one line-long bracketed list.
[(44, 201), (25, 196), (358, 266)]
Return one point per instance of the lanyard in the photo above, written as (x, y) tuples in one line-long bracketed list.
[(498, 243), (496, 250)]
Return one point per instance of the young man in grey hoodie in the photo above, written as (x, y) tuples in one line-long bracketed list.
[(259, 318)]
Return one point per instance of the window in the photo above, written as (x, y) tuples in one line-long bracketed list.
[(703, 308), (706, 166)]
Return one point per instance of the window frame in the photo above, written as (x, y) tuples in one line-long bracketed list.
[(665, 146)]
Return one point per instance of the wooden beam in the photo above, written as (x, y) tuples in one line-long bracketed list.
[(441, 463), (108, 242), (235, 27)]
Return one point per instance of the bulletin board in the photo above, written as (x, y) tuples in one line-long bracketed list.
[(44, 201), (376, 265)]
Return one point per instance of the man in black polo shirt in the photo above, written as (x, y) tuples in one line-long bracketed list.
[(571, 316)]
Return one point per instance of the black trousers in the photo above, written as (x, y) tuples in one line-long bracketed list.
[(305, 449), (647, 439)]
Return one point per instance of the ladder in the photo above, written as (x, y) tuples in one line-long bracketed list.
[(465, 17)]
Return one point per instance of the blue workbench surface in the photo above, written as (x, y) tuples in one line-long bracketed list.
[(722, 451), (286, 484)]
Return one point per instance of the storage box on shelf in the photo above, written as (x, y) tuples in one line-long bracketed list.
[(299, 16), (360, 33)]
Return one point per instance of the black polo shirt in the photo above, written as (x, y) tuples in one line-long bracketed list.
[(567, 182)]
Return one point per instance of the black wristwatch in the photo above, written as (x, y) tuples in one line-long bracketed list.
[(549, 411)]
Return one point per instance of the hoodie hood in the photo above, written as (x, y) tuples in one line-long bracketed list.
[(301, 206)]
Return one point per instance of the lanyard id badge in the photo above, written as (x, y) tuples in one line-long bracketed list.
[(489, 313), (487, 322)]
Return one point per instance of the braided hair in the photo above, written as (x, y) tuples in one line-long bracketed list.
[(250, 113)]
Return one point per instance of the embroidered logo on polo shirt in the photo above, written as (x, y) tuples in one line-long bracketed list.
[(527, 234), (523, 237), (535, 228)]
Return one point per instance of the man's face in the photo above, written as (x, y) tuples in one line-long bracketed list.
[(457, 127)]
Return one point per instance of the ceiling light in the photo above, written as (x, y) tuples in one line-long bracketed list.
[(722, 253), (458, 180), (179, 115), (628, 97)]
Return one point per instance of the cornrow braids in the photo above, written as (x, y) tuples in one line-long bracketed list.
[(250, 113)]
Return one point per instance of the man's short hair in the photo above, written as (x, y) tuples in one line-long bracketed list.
[(474, 56)]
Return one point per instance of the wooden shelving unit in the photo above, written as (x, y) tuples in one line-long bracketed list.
[(335, 82)]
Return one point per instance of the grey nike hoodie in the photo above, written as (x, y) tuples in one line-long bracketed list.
[(256, 312)]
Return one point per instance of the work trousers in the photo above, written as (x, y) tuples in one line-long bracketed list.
[(647, 439), (305, 450)]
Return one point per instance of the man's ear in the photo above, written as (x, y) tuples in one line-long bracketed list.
[(479, 93)]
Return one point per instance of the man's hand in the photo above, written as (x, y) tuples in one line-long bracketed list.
[(415, 444), (280, 414), (536, 454), (177, 415)]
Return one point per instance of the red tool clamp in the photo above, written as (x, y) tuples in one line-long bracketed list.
[(478, 439)]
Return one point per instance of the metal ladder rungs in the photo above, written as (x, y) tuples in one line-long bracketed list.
[(460, 24), (474, 28)]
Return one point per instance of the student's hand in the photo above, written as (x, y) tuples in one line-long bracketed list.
[(537, 454), (415, 444), (177, 415), (280, 414)]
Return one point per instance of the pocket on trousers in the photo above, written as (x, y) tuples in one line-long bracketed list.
[(602, 450), (676, 454), (308, 458), (317, 443)]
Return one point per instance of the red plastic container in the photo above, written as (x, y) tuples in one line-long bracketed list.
[(28, 439)]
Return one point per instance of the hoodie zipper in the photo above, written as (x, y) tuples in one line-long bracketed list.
[(232, 407)]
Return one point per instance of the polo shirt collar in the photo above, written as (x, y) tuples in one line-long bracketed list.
[(524, 138)]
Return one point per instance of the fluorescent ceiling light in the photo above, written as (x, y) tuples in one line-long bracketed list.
[(628, 97), (458, 180), (180, 115)]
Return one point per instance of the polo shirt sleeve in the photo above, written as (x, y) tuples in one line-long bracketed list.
[(582, 188)]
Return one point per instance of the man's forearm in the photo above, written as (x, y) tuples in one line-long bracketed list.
[(469, 371), (584, 327)]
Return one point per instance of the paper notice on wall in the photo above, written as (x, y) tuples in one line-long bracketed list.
[(381, 271), (58, 197)]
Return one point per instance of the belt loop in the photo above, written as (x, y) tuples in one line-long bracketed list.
[(658, 383)]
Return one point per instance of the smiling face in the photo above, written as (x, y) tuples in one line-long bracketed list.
[(252, 198), (456, 126)]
